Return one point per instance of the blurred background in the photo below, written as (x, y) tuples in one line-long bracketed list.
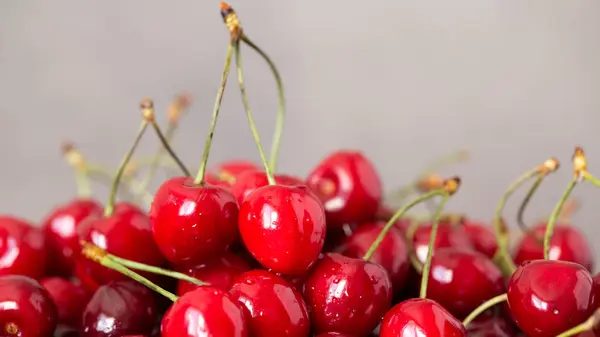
[(512, 82)]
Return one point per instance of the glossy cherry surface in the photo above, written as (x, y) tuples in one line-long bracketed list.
[(566, 244), (448, 235), (26, 308), (548, 297), (334, 334), (349, 186), (420, 317), (60, 228), (23, 249), (70, 299), (460, 280), (249, 181), (219, 272), (283, 228), (192, 223), (272, 306), (347, 295), (119, 308), (205, 311), (482, 237)]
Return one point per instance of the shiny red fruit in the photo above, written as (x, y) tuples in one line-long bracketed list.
[(420, 317), (26, 308), (206, 311), (250, 181), (272, 306), (347, 295), (482, 237), (349, 187), (219, 272), (119, 308), (70, 299), (283, 228), (548, 297), (567, 244), (447, 236), (23, 249), (193, 223), (334, 334)]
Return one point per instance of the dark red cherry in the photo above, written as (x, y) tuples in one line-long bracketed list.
[(219, 272), (205, 311), (66, 331), (193, 223), (491, 326), (482, 237), (334, 334), (420, 317), (347, 295), (448, 235), (597, 289), (283, 227), (23, 249), (119, 308), (567, 244), (70, 299), (547, 298), (60, 228), (460, 280), (272, 306), (349, 187), (392, 253), (249, 181), (26, 308), (126, 233)]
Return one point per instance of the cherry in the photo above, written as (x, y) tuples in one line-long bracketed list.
[(249, 181), (548, 297), (334, 334), (597, 288), (349, 186), (482, 237), (227, 173), (420, 317), (26, 308), (492, 326), (66, 331), (22, 248), (205, 311), (272, 306), (119, 308), (347, 295), (219, 272), (70, 299), (448, 235)]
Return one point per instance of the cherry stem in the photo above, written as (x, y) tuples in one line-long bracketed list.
[(525, 203), (165, 144), (410, 233), (554, 216), (78, 163), (589, 324), (589, 177), (281, 97), (213, 123), (108, 211), (154, 270), (483, 307), (253, 129), (432, 235), (100, 173)]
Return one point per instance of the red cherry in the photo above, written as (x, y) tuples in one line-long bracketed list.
[(566, 244), (547, 298), (460, 280), (126, 233), (492, 326), (60, 228), (272, 306), (447, 236), (597, 289), (249, 181), (119, 308), (66, 331), (392, 253), (482, 237), (22, 248), (227, 173), (70, 299), (347, 295), (193, 223), (334, 334), (26, 309), (205, 311), (420, 317), (385, 214), (219, 273), (283, 228), (348, 185)]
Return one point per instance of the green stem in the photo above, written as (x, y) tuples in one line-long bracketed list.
[(156, 160), (155, 270), (587, 176), (525, 203), (589, 324), (434, 228), (165, 143), (100, 174), (451, 158), (253, 129), (483, 307), (554, 216), (84, 189)]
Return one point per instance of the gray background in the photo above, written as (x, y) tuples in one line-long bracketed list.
[(514, 82)]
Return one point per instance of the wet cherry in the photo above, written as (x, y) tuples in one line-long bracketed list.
[(70, 299), (23, 249), (448, 235), (482, 237), (219, 272), (249, 181)]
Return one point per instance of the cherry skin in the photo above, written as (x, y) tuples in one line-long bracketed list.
[(482, 237), (22, 248), (227, 173), (392, 253), (66, 331), (448, 235), (548, 297), (219, 272), (60, 228), (420, 317), (567, 244), (249, 181), (460, 280), (597, 288), (283, 228), (193, 223), (348, 185), (347, 295), (127, 233), (272, 306), (70, 299), (205, 311), (119, 308), (26, 308), (492, 326), (334, 334)]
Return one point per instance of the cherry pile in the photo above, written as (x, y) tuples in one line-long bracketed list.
[(241, 250)]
